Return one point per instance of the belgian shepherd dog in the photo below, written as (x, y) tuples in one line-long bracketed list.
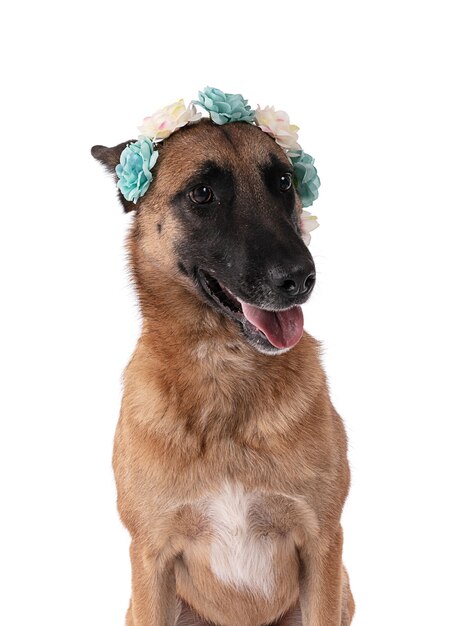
[(230, 460)]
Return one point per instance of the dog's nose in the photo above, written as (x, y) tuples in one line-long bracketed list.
[(298, 283)]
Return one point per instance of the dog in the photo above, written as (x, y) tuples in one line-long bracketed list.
[(230, 460)]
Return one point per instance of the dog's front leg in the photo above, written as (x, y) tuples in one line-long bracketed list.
[(153, 600), (321, 583)]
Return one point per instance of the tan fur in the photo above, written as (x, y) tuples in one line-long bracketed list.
[(202, 409)]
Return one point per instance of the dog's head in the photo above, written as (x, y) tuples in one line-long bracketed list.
[(222, 217)]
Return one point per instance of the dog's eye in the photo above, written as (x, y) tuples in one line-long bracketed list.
[(201, 194), (285, 182)]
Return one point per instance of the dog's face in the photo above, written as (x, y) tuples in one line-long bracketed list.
[(222, 217)]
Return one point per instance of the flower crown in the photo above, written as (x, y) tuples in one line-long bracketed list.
[(138, 158)]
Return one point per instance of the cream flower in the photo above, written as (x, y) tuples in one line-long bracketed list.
[(277, 124), (163, 123), (308, 223)]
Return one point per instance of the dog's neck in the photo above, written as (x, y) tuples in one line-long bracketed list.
[(198, 361)]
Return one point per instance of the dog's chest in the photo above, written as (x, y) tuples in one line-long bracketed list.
[(246, 533)]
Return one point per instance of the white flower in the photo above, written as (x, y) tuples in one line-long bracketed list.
[(277, 124), (163, 123), (308, 223)]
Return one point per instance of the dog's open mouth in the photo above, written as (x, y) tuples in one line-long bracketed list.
[(281, 329)]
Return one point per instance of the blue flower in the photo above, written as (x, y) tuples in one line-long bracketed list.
[(306, 179), (225, 107), (134, 170)]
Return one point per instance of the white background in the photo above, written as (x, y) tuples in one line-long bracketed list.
[(371, 85)]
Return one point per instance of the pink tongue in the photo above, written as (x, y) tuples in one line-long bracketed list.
[(282, 328)]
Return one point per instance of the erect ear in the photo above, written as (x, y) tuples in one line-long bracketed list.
[(109, 158)]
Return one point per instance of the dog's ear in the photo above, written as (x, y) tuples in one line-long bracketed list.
[(109, 158)]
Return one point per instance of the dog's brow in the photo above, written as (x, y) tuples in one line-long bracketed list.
[(273, 167), (210, 170), (274, 164)]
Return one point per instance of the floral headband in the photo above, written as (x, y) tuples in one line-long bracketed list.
[(139, 158)]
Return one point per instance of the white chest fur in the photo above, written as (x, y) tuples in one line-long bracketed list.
[(239, 556)]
